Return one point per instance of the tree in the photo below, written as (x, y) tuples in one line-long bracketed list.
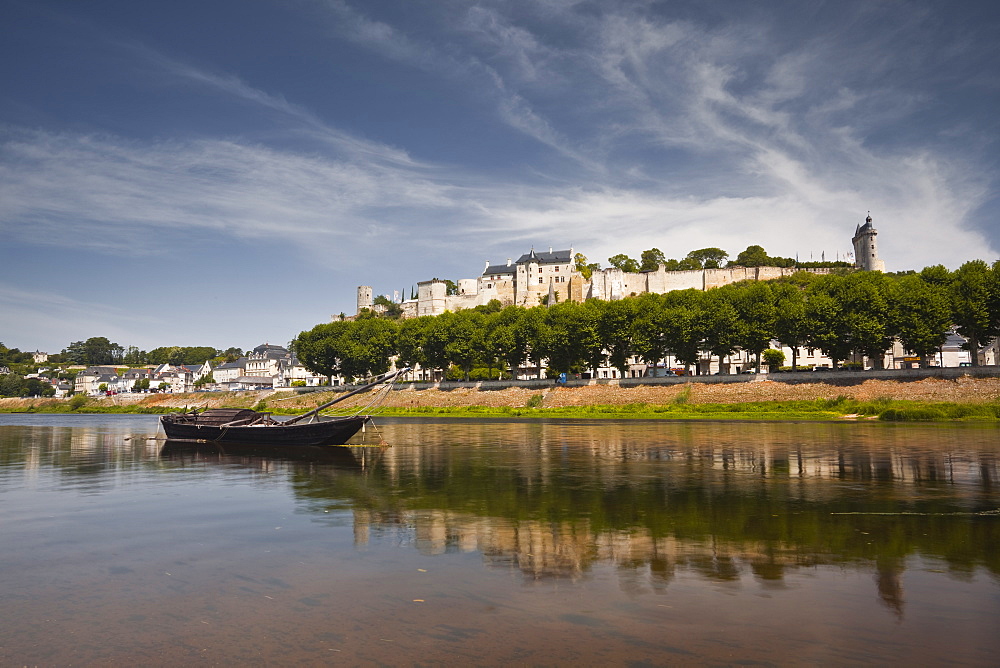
[(410, 340), (573, 340), (790, 323), (824, 321), (864, 300), (652, 259), (773, 358), (367, 347), (508, 338), (585, 269), (538, 333), (970, 300), (321, 349), (95, 350), (753, 256), (465, 334), (682, 324), (754, 304), (719, 323), (624, 262), (392, 310), (921, 315), (708, 258), (648, 340), (615, 331)]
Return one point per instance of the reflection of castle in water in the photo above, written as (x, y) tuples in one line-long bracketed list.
[(656, 501)]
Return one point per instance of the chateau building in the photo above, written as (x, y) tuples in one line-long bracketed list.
[(538, 274)]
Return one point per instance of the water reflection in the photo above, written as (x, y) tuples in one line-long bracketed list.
[(669, 514), (553, 499)]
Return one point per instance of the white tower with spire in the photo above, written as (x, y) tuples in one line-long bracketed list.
[(865, 248)]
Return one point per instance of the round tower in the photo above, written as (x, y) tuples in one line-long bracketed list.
[(866, 248), (364, 297)]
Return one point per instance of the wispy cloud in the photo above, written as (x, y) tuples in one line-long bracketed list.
[(27, 313)]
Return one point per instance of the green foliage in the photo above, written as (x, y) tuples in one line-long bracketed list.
[(95, 350), (708, 258), (78, 401), (773, 358), (623, 262), (392, 309), (651, 259), (535, 401), (972, 294), (586, 269), (180, 355), (756, 256)]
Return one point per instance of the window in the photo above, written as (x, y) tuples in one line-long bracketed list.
[(539, 280), (557, 268), (539, 270)]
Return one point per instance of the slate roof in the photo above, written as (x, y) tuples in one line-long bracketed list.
[(544, 257), (861, 229), (494, 269), (99, 371), (267, 348)]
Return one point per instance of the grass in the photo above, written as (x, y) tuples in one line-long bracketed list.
[(881, 408)]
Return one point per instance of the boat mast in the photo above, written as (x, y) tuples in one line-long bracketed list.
[(364, 388)]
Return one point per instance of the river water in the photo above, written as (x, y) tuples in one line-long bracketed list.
[(490, 542)]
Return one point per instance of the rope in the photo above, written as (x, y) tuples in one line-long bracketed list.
[(375, 400)]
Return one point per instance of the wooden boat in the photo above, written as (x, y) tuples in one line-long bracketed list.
[(242, 425)]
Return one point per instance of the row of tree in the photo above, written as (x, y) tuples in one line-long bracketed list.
[(842, 314), (703, 258), (99, 350)]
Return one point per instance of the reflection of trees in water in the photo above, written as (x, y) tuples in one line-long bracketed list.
[(551, 499), (85, 457), (722, 502)]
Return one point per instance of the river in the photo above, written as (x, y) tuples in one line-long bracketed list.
[(491, 542)]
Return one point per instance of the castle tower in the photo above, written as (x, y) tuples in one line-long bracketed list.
[(865, 248), (364, 297)]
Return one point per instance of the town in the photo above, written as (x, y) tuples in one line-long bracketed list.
[(541, 278)]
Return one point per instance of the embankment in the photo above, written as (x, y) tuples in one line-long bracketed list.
[(759, 397)]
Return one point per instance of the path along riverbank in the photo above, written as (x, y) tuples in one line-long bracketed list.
[(832, 395)]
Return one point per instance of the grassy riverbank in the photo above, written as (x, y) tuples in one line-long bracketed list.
[(818, 409), (929, 399)]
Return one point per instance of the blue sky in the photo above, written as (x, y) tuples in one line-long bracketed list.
[(226, 173)]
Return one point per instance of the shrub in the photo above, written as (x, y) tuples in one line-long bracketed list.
[(535, 401)]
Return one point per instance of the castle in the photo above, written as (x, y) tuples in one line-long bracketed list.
[(538, 275)]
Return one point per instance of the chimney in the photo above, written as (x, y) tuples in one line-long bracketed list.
[(550, 250), (487, 265), (508, 262)]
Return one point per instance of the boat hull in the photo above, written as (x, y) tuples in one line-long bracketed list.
[(335, 431)]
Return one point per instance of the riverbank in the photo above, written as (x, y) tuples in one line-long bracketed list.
[(961, 398)]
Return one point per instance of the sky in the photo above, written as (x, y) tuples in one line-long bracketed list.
[(227, 172)]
